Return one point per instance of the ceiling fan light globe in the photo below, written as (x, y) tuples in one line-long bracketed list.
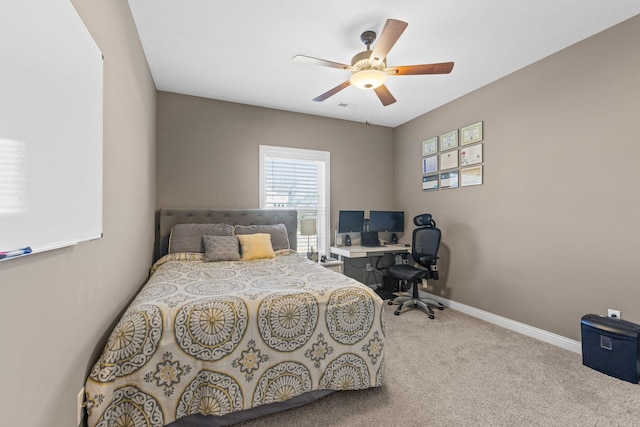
[(368, 79)]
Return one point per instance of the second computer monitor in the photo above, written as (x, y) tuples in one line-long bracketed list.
[(386, 221)]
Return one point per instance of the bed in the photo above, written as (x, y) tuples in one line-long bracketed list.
[(212, 340)]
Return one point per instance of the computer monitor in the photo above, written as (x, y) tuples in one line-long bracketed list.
[(386, 221), (350, 221)]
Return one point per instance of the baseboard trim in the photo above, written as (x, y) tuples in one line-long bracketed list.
[(530, 331)]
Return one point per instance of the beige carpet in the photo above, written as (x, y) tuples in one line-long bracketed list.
[(460, 371)]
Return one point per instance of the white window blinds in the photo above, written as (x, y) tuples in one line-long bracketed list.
[(297, 179)]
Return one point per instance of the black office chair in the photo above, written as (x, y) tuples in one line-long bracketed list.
[(424, 251)]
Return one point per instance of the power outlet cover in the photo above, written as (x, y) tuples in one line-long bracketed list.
[(613, 313)]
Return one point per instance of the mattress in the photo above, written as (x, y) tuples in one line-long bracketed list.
[(214, 338)]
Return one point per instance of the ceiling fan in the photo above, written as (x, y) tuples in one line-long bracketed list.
[(369, 67)]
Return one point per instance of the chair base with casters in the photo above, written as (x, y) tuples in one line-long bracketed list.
[(408, 273)]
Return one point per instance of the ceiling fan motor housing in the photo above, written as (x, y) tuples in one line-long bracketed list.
[(365, 75), (361, 62)]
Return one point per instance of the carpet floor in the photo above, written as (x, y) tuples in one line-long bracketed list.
[(457, 370)]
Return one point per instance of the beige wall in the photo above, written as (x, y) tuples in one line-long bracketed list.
[(208, 154), (56, 307), (548, 237), (552, 234)]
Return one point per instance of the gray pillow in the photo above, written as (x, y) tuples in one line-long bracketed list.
[(188, 237), (279, 236), (221, 248)]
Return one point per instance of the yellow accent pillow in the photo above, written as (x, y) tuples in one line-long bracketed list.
[(256, 246)]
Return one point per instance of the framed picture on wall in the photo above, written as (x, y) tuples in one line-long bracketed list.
[(471, 133), (471, 155), (471, 176), (430, 182), (430, 146), (429, 164), (449, 140), (449, 179), (449, 160)]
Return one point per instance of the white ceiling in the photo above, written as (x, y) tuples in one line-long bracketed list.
[(241, 50)]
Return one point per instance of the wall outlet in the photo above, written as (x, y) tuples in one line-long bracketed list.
[(80, 405), (613, 313)]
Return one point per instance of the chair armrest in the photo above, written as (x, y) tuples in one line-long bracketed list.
[(427, 259)]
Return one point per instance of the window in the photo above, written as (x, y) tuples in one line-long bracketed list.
[(294, 178)]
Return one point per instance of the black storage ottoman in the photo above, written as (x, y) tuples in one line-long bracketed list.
[(610, 345)]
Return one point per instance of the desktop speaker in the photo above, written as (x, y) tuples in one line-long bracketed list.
[(394, 238), (347, 240)]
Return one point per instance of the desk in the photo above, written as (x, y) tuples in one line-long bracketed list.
[(367, 251), (351, 252)]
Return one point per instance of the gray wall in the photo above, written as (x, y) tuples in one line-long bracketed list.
[(208, 154), (56, 307), (552, 234)]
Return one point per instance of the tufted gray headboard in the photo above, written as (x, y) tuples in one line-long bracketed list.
[(167, 218)]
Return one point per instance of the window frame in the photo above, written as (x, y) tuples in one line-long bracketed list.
[(302, 154)]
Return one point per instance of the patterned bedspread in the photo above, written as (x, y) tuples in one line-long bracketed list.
[(214, 338)]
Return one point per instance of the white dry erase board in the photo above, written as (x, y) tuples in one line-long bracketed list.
[(51, 75)]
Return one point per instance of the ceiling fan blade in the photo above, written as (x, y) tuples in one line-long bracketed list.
[(385, 96), (390, 34), (403, 70), (332, 92), (322, 62)]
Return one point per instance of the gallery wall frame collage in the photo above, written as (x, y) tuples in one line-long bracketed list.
[(453, 159)]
